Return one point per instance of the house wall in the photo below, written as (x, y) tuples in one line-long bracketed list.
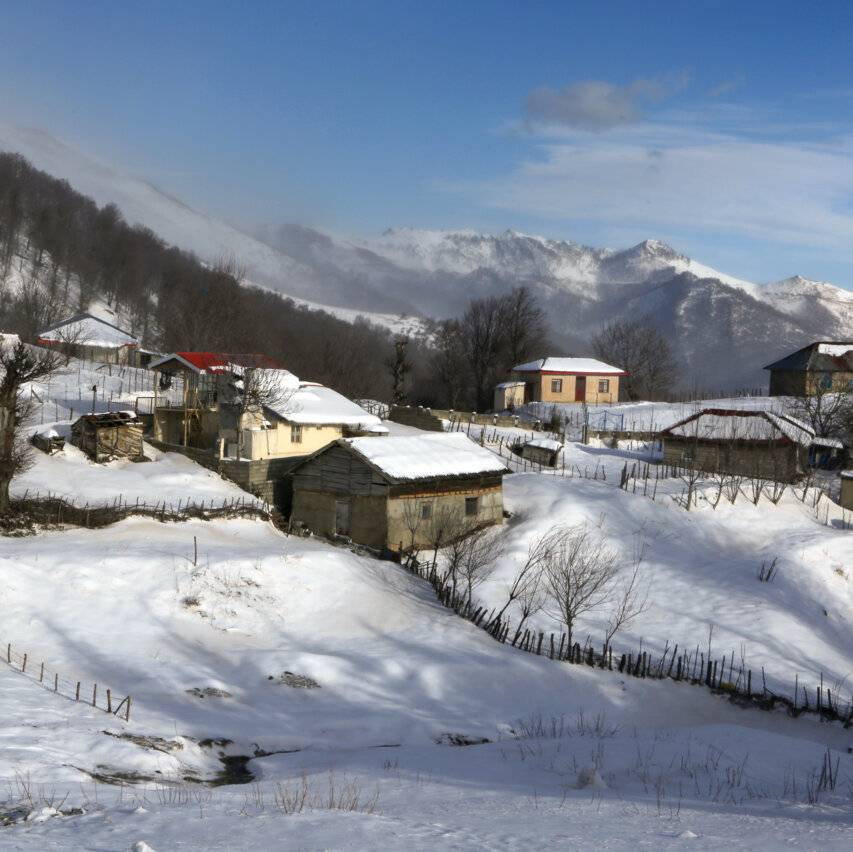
[(442, 496), (542, 387), (767, 459), (800, 382), (275, 442), (317, 511)]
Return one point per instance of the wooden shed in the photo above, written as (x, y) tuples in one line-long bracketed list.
[(542, 451), (749, 443), (114, 435), (392, 493)]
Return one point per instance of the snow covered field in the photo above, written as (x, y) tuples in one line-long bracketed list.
[(577, 756), (342, 691)]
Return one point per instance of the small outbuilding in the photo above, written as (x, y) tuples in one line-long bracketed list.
[(509, 396), (542, 451), (391, 493), (743, 442), (92, 339), (113, 435)]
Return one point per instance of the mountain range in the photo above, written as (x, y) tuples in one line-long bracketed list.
[(723, 329)]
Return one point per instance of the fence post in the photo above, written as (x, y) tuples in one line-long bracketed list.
[(77, 692), (95, 695)]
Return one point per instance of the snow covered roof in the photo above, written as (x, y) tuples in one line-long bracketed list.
[(720, 424), (510, 384), (87, 330), (312, 404), (428, 456), (823, 356), (578, 366), (544, 444)]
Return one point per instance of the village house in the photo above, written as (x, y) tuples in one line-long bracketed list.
[(392, 493), (823, 365), (760, 444), (559, 380), (107, 436), (211, 418), (92, 339)]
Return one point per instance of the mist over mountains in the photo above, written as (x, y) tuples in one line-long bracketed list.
[(723, 329)]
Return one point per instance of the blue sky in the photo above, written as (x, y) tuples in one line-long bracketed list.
[(725, 129)]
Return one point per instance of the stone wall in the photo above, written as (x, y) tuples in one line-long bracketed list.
[(265, 478)]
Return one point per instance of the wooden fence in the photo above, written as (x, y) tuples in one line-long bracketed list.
[(693, 665), (92, 694), (51, 509)]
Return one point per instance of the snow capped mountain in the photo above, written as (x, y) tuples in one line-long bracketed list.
[(725, 329)]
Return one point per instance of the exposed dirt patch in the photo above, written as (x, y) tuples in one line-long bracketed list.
[(155, 743), (461, 740)]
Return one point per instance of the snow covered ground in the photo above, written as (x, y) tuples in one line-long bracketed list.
[(341, 689), (577, 757)]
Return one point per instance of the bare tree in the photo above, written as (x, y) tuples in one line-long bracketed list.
[(631, 599), (481, 548), (256, 390), (482, 327), (446, 525), (828, 410), (19, 365), (579, 573), (413, 519), (638, 347), (527, 587), (448, 362), (524, 326)]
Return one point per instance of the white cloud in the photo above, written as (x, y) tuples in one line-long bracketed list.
[(672, 177)]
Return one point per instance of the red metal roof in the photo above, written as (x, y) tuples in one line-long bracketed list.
[(217, 361)]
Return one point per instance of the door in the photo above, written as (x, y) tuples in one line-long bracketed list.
[(341, 517), (580, 388)]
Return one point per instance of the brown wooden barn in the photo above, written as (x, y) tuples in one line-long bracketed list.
[(113, 435), (761, 444), (824, 365), (393, 492)]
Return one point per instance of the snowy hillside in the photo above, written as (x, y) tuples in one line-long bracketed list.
[(724, 329)]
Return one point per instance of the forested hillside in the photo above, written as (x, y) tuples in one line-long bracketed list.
[(60, 252)]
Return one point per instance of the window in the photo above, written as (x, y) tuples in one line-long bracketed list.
[(826, 381), (604, 385), (556, 385), (295, 433), (472, 506), (426, 511)]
